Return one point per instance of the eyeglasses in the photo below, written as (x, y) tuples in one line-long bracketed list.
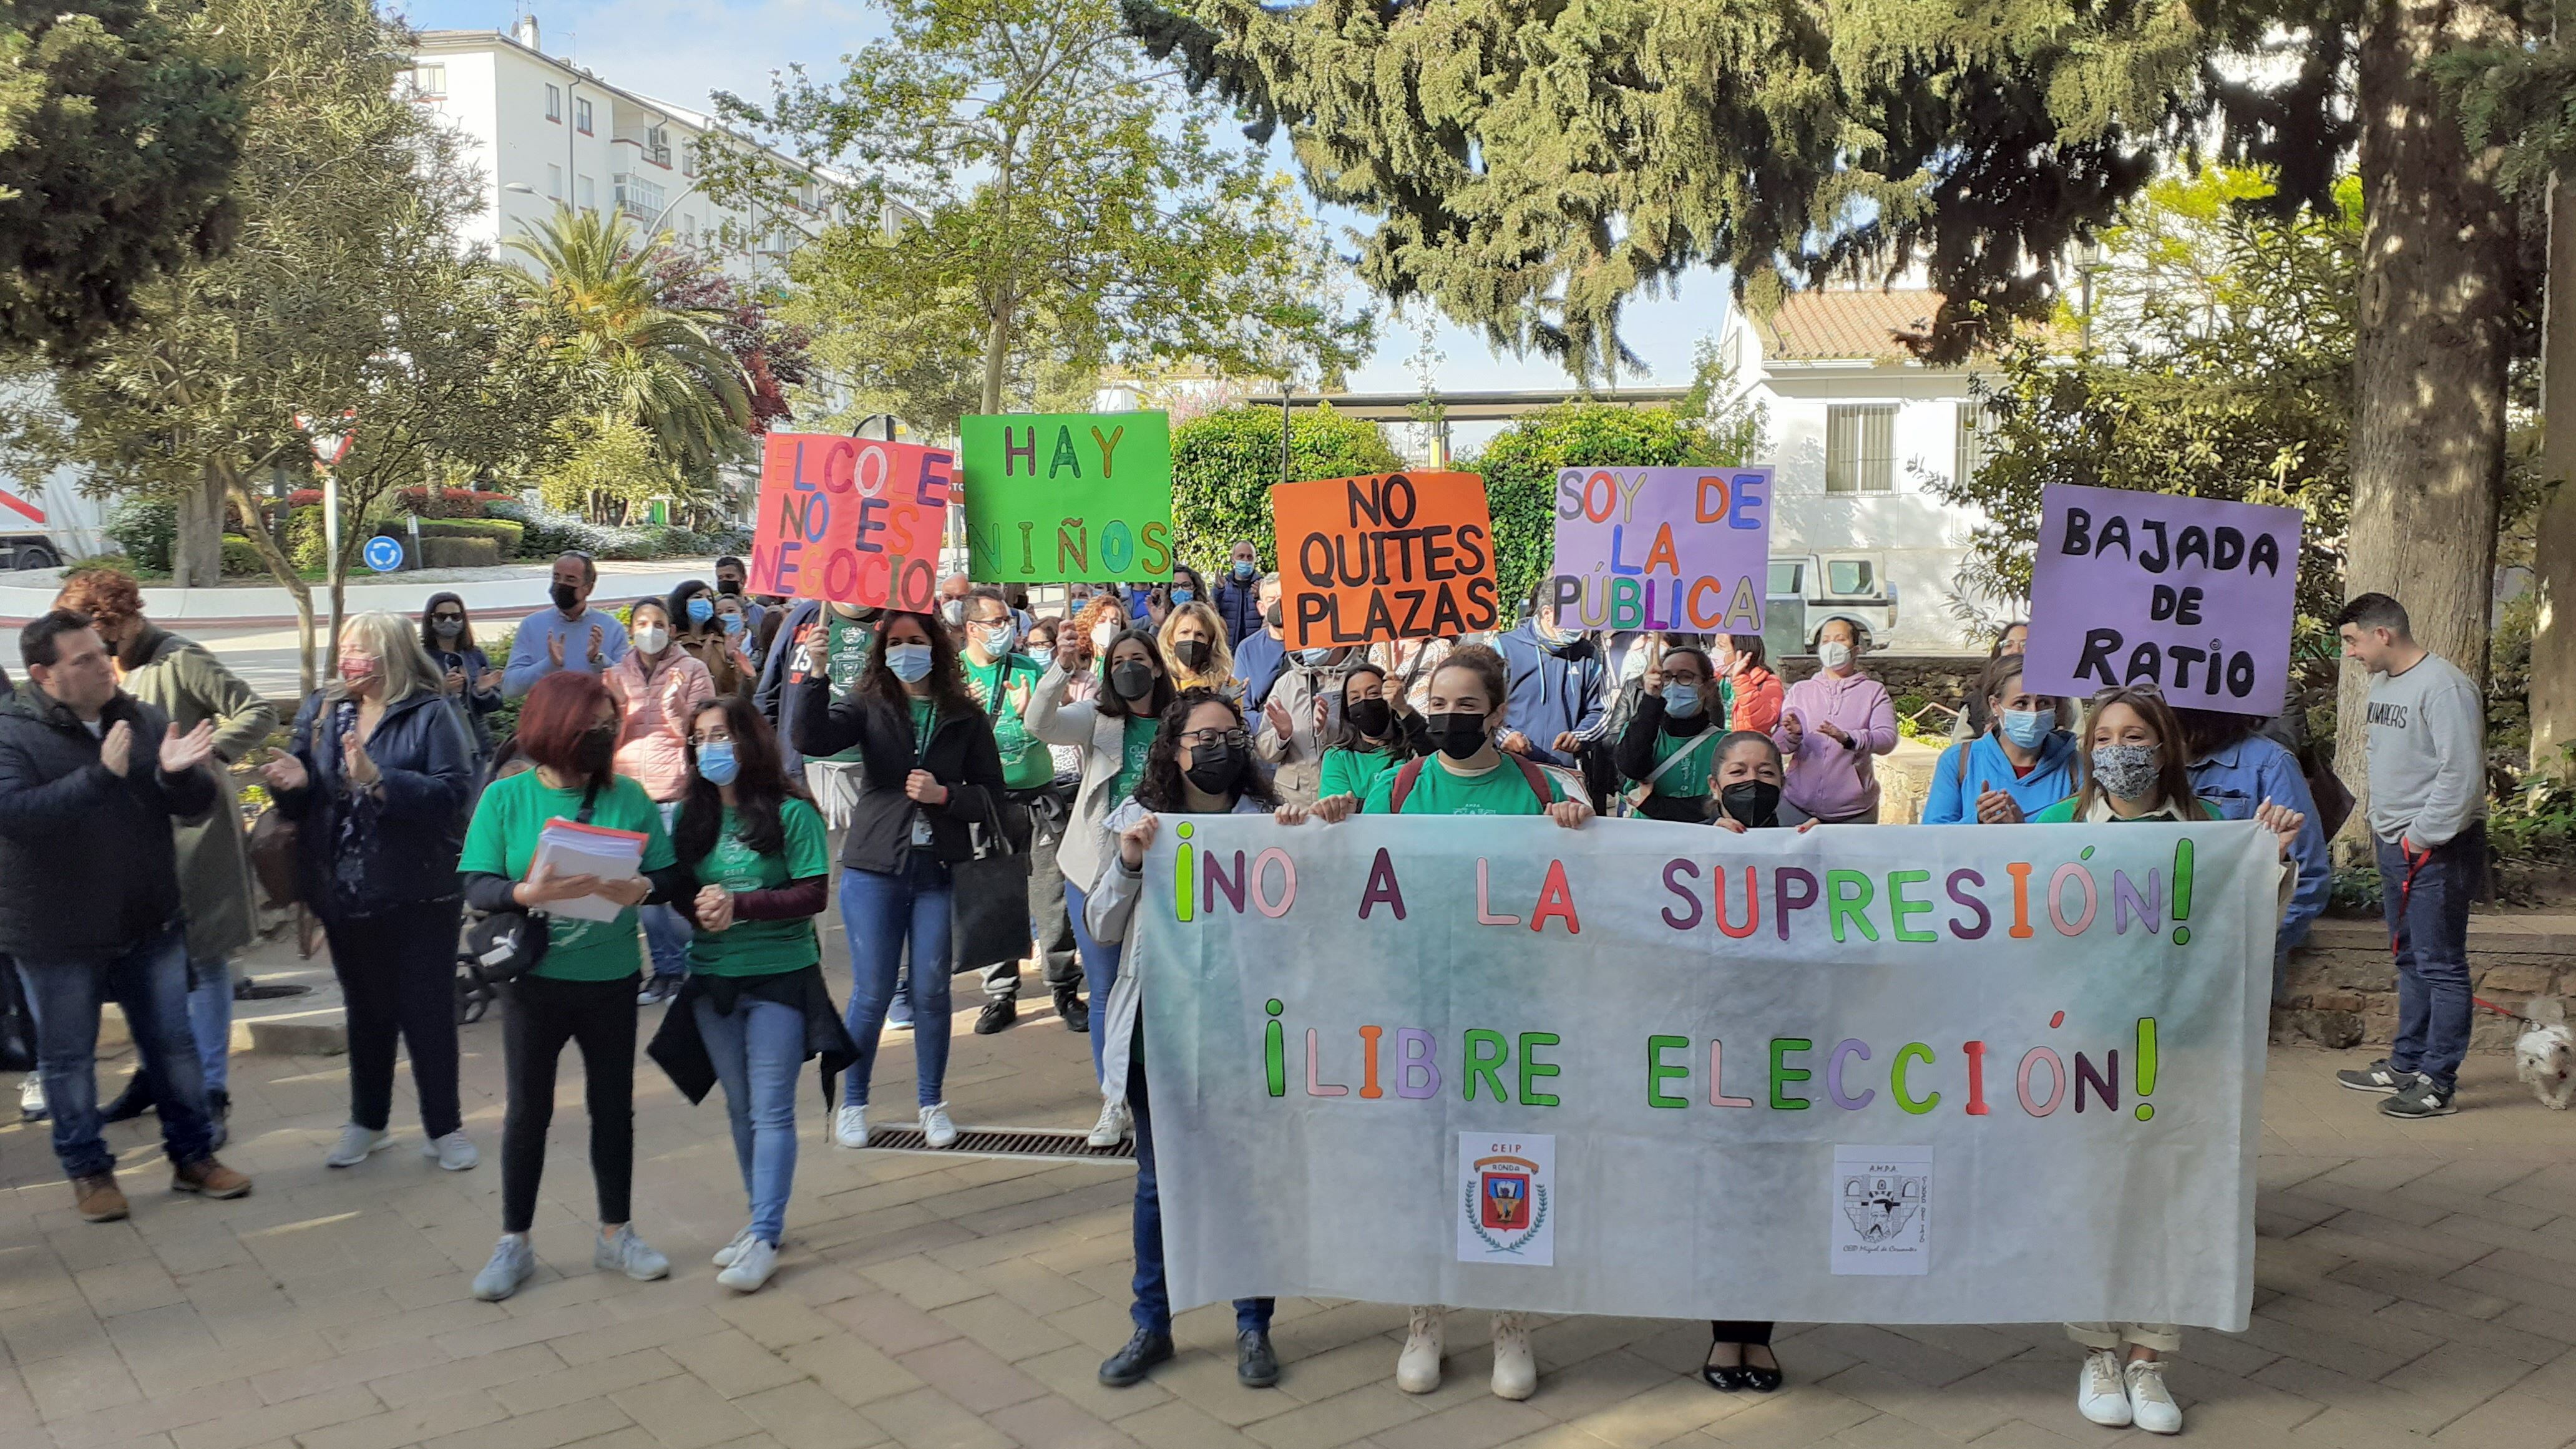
[(1197, 738), (702, 741), (447, 618)]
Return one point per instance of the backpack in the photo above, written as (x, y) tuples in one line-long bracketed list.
[(1411, 771)]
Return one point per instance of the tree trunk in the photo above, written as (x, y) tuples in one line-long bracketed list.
[(282, 568), (197, 554), (997, 351), (2553, 554), (2429, 354)]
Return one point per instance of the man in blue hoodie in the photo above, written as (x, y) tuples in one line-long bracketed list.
[(1557, 679)]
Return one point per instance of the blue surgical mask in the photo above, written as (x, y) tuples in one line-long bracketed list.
[(733, 623), (1314, 658), (716, 762), (1183, 596), (701, 608), (1243, 569), (2027, 727), (910, 662), (1681, 700)]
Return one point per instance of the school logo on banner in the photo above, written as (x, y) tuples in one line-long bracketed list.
[(1507, 1199), (1882, 1210)]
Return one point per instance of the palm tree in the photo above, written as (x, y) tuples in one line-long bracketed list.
[(648, 365)]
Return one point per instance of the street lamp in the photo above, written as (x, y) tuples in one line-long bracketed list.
[(330, 444)]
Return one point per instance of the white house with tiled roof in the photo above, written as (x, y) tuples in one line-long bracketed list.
[(1856, 425)]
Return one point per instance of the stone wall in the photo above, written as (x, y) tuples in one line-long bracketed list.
[(2341, 987)]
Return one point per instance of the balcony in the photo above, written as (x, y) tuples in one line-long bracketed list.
[(638, 197)]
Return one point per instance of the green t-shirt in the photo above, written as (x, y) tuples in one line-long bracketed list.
[(762, 948), (2063, 813), (1352, 772), (845, 658), (1140, 740), (1689, 779), (1499, 791), (503, 839), (1026, 761)]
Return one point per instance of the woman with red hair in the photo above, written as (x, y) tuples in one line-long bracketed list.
[(583, 989)]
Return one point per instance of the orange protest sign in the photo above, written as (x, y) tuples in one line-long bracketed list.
[(1391, 556), (851, 519)]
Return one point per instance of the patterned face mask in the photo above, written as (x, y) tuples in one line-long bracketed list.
[(2127, 771)]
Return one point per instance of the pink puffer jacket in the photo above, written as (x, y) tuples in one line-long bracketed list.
[(657, 702)]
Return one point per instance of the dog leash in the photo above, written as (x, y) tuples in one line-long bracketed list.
[(2405, 892)]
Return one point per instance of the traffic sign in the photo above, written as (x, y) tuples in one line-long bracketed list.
[(383, 554)]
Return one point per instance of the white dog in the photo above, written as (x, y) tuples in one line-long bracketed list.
[(2545, 1056)]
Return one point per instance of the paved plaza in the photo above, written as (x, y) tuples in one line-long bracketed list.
[(2418, 1284)]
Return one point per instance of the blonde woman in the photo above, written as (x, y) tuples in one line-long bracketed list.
[(378, 777), (1194, 647)]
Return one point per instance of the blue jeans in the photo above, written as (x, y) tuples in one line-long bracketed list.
[(1152, 1310), (756, 1052), (666, 940), (880, 911), (1099, 972), (150, 981), (210, 1020), (2426, 902)]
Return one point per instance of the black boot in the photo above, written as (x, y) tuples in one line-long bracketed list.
[(1069, 1005), (219, 1110), (1126, 1368), (131, 1103), (1256, 1364)]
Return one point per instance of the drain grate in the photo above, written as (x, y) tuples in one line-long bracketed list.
[(1045, 1144)]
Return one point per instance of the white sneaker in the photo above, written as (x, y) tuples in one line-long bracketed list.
[(454, 1152), (936, 1129), (1515, 1367), (31, 1098), (2150, 1406), (1112, 1127), (2099, 1393), (850, 1127), (750, 1268), (1417, 1369), (357, 1144), (730, 1251)]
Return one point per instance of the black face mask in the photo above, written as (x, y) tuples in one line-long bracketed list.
[(1193, 654), (1369, 716), (1134, 680), (1214, 768), (597, 753), (1272, 617), (729, 586), (566, 597), (1754, 804), (1459, 735)]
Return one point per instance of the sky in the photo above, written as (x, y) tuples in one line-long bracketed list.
[(682, 50)]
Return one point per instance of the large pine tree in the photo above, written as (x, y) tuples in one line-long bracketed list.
[(1533, 164)]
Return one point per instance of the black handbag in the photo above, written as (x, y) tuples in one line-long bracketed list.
[(988, 900), (506, 945), (17, 1024)]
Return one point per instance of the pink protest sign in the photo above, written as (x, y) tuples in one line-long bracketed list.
[(851, 519), (1681, 549), (2195, 596)]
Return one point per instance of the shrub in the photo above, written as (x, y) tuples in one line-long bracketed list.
[(241, 557), (1224, 464), (505, 534), (146, 530), (551, 531), (1521, 462)]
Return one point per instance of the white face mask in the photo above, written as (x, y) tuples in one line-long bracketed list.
[(652, 638), (1101, 634), (1834, 655)]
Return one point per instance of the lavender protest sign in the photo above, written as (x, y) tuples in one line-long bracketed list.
[(1684, 549), (2192, 595)]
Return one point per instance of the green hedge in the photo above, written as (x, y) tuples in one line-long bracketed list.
[(241, 556), (1521, 462), (1224, 463), (508, 534)]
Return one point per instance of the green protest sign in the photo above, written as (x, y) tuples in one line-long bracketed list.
[(1056, 497)]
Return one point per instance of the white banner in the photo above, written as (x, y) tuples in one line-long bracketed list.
[(1921, 1074)]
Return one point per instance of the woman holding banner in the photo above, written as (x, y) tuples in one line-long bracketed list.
[(1114, 731), (1832, 727), (1200, 763), (1194, 650), (1468, 776), (2141, 771), (2022, 764), (928, 772)]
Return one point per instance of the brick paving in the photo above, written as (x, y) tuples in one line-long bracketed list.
[(2417, 1284)]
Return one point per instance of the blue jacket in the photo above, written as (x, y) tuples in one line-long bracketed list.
[(1258, 662), (2246, 774), (1953, 800), (1239, 605), (396, 845), (1553, 690), (775, 697)]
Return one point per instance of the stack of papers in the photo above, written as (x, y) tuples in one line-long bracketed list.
[(573, 848)]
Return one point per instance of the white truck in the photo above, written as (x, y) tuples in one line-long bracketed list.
[(1808, 589), (41, 527)]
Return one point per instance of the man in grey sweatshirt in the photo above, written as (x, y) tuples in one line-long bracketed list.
[(2427, 797)]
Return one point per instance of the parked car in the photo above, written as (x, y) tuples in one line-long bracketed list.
[(1808, 589)]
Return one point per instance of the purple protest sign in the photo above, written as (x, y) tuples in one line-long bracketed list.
[(1679, 549), (2195, 596)]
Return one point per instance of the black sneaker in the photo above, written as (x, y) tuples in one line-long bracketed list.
[(1255, 1365), (658, 990), (998, 1013), (1126, 1368), (2421, 1099), (131, 1103), (1069, 1005), (2378, 1077)]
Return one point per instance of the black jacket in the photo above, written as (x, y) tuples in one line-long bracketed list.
[(962, 756), (682, 1053), (402, 838), (88, 869), (1636, 760)]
